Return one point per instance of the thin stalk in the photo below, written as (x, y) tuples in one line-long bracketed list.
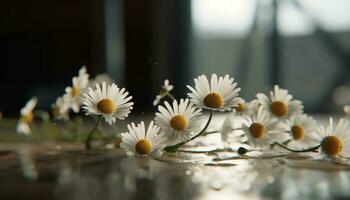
[(89, 137), (296, 151), (170, 96), (174, 148)]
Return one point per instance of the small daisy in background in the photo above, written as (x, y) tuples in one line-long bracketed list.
[(100, 78), (302, 131), (73, 94), (165, 91), (108, 101), (262, 130), (244, 108), (180, 121), (60, 109), (220, 94), (347, 110), (280, 104), (139, 141), (27, 117), (335, 140)]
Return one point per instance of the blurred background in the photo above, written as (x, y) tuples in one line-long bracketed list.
[(302, 45)]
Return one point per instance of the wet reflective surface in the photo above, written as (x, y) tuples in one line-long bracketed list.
[(108, 174)]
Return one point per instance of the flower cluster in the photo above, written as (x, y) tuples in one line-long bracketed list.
[(266, 121)]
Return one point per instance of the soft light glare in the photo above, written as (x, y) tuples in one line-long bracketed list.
[(225, 18)]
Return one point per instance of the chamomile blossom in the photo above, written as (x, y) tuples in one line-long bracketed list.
[(244, 108), (302, 131), (335, 140), (108, 101), (220, 94), (60, 109), (262, 130), (229, 132), (27, 117), (166, 88), (347, 110), (73, 94), (139, 141), (180, 121), (280, 104)]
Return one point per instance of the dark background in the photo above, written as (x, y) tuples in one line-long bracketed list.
[(140, 43)]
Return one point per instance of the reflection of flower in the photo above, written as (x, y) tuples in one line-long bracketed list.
[(27, 116), (180, 121), (108, 101), (220, 94), (280, 104), (166, 88), (302, 129), (73, 94), (139, 141), (261, 130), (335, 141)]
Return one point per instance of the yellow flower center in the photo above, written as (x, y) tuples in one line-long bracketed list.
[(257, 130), (240, 107), (28, 118), (213, 100), (106, 106), (179, 123), (332, 145), (298, 132), (279, 108), (75, 91), (143, 147)]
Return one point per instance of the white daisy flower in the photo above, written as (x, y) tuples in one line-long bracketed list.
[(27, 117), (244, 108), (138, 141), (157, 100), (280, 104), (108, 101), (166, 88), (73, 94), (220, 94), (60, 109), (335, 141), (181, 121), (262, 130), (227, 130), (301, 130)]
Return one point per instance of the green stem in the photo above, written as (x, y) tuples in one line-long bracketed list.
[(89, 137), (174, 148), (170, 96), (296, 151), (210, 132), (42, 114)]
